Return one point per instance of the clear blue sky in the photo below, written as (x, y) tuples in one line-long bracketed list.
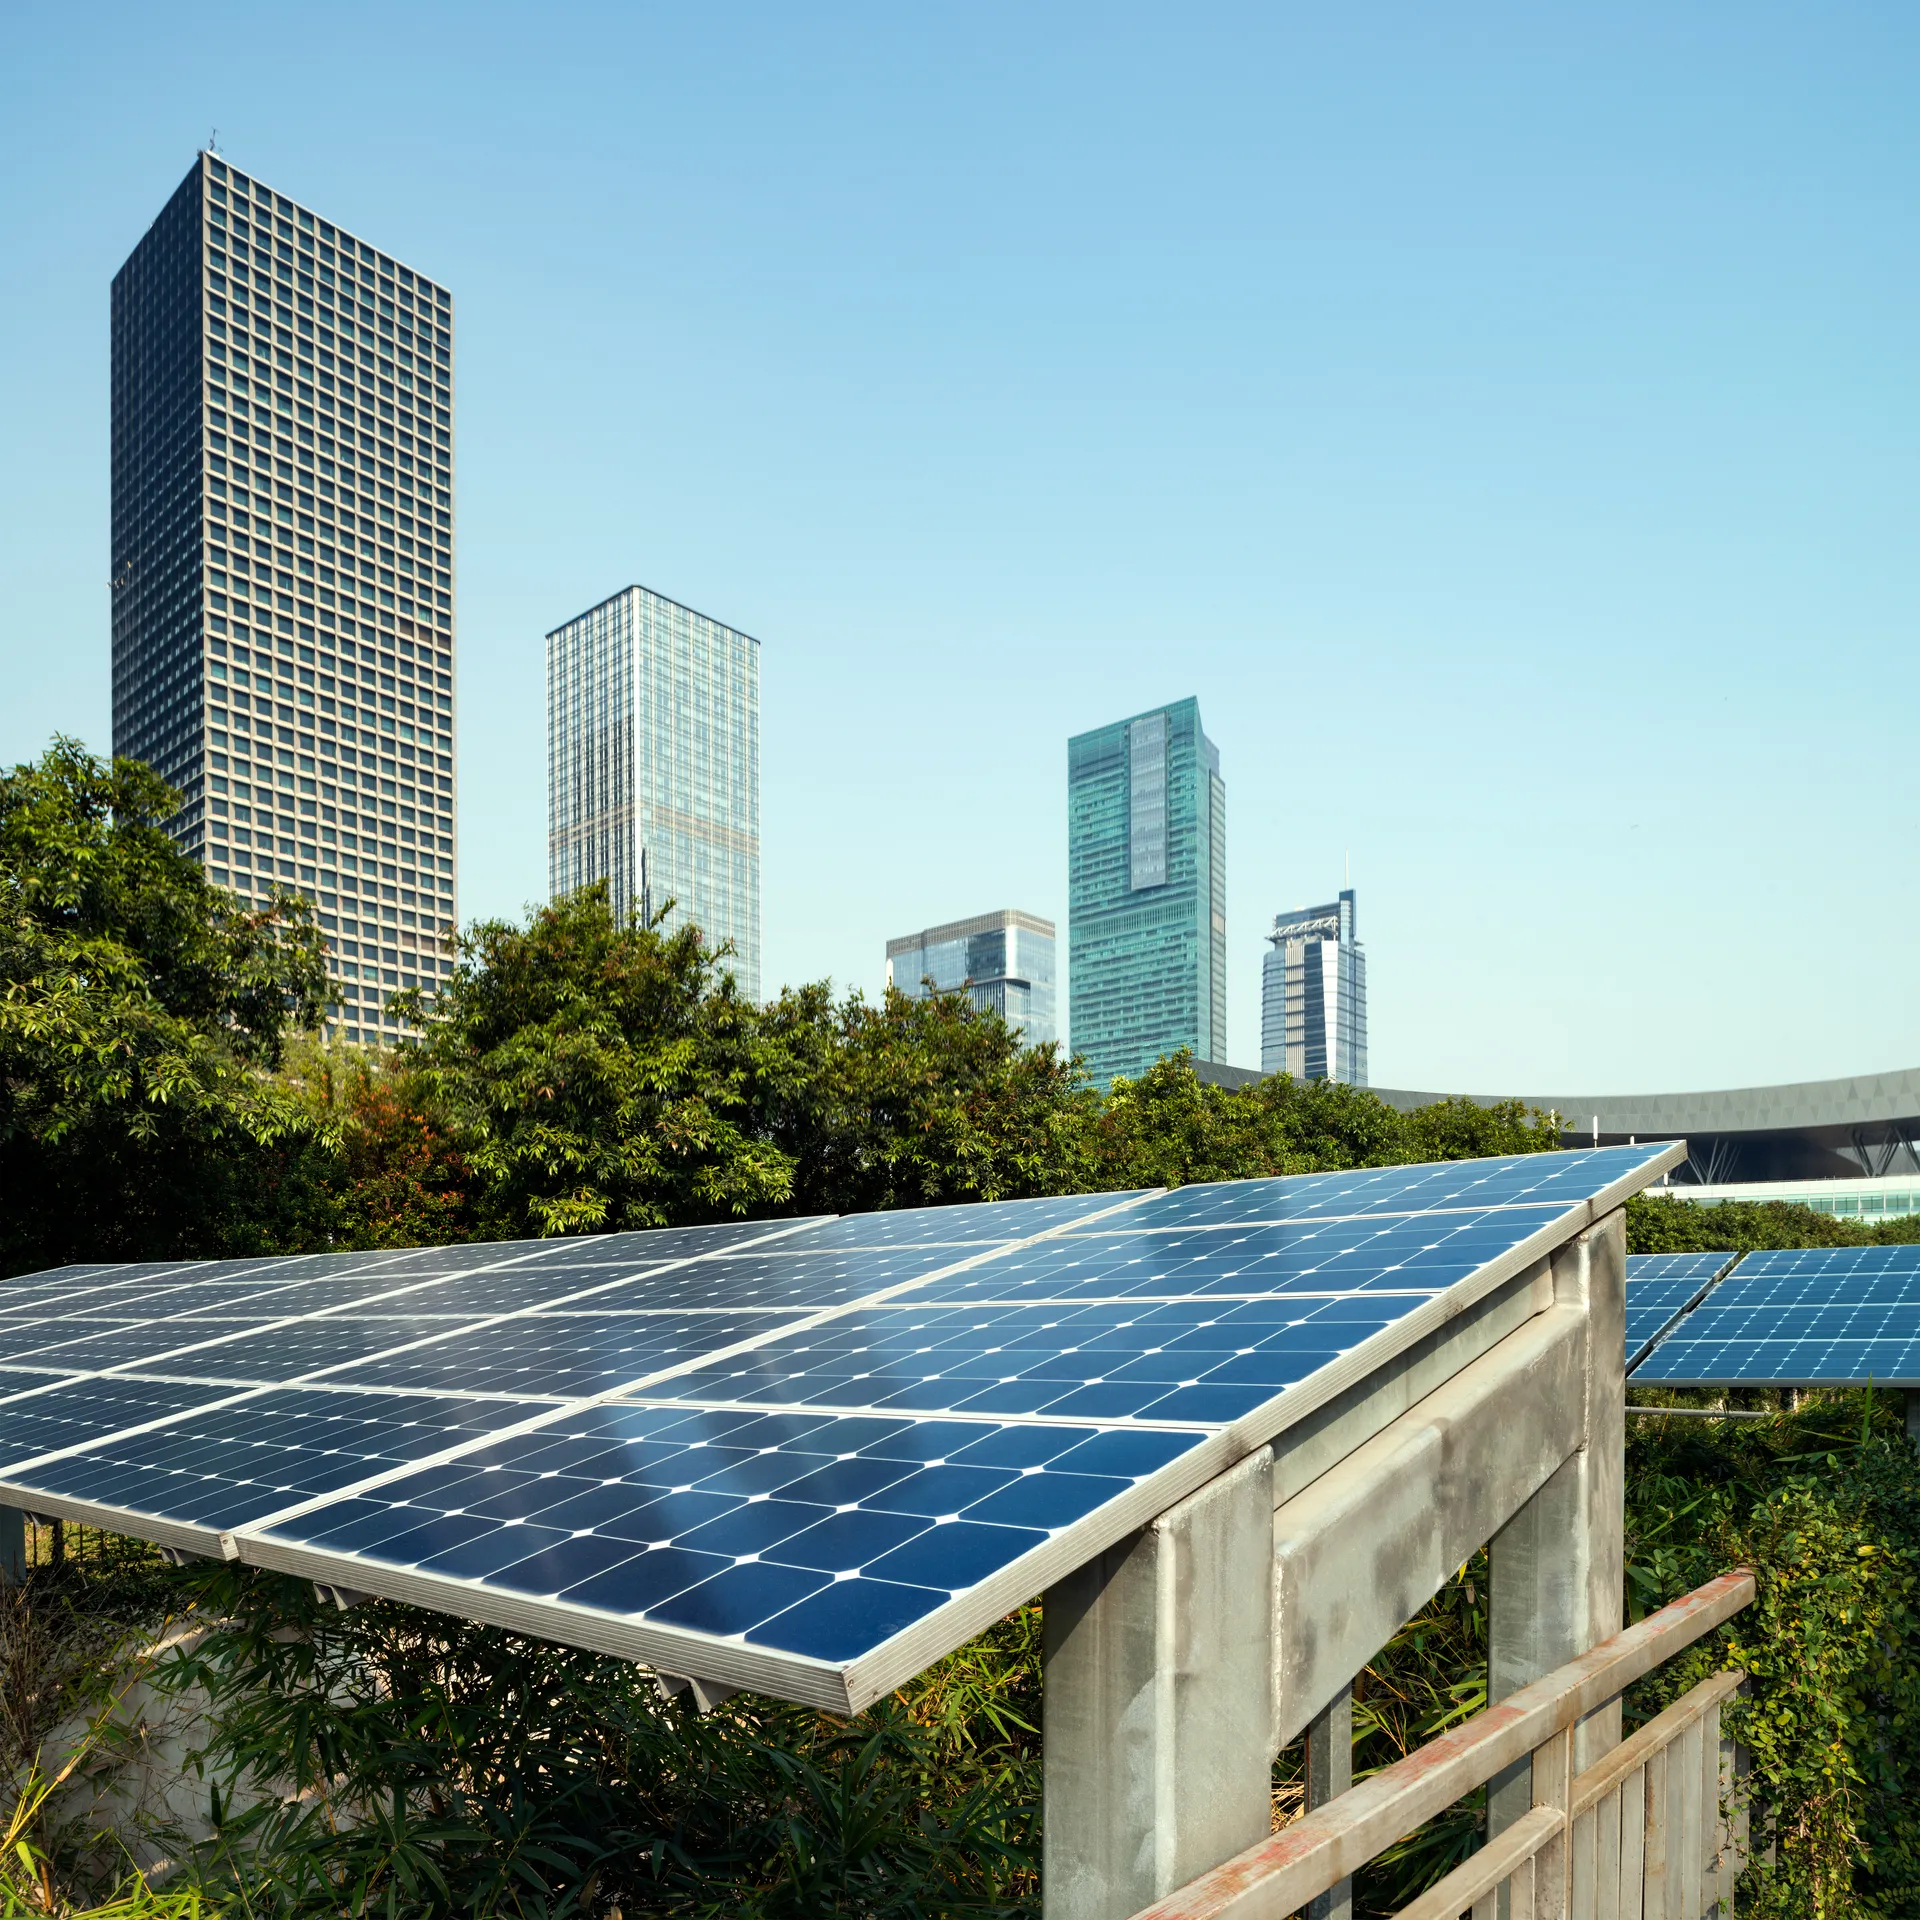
[(1502, 418)]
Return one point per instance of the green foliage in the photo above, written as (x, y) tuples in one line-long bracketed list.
[(139, 1011), (1824, 1504), (596, 1077), (915, 1102), (426, 1767)]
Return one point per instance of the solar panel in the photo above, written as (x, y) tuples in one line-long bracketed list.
[(808, 1457), (1660, 1288), (1810, 1316)]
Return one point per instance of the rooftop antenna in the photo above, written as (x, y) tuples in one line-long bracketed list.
[(213, 141), (1348, 881)]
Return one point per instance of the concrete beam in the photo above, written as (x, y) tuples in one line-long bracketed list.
[(1363, 1548), (1557, 1580), (13, 1546), (1158, 1669)]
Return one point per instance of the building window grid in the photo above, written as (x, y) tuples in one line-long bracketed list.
[(414, 741)]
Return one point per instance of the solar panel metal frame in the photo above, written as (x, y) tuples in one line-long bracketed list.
[(845, 1686)]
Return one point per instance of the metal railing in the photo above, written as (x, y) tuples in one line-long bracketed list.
[(1651, 1831)]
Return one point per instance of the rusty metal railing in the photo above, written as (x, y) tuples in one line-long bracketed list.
[(1650, 1831)]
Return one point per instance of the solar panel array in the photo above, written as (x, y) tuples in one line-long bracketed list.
[(805, 1456), (1803, 1317)]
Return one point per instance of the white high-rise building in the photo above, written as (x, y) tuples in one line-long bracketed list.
[(1313, 997), (653, 768)]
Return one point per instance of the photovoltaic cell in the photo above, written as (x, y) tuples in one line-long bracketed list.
[(73, 1412), (811, 1456), (797, 1533), (1677, 1266), (242, 1459), (1420, 1254)]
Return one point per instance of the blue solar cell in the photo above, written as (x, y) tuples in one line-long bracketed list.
[(1703, 1360), (957, 1226), (1676, 1266), (77, 1411), (1422, 1254), (668, 1536), (561, 1355), (241, 1460), (1543, 1179)]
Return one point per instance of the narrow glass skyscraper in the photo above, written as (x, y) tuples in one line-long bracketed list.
[(1004, 960), (1313, 996), (653, 768), (283, 568), (1147, 892)]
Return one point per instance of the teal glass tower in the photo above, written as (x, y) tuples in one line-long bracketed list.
[(1147, 893)]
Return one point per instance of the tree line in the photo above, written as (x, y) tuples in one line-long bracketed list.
[(167, 1096)]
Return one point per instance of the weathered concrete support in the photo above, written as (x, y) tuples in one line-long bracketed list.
[(1329, 1775), (13, 1546), (1913, 1415), (1557, 1577), (1362, 1549), (1159, 1667)]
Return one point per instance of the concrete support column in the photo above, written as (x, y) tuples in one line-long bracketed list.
[(1158, 1675), (1913, 1415), (1329, 1775), (1557, 1577), (13, 1546)]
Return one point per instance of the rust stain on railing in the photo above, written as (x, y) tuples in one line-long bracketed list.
[(1280, 1874)]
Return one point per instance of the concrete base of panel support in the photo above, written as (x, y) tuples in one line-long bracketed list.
[(1913, 1415), (1158, 1673), (1556, 1585), (13, 1546)]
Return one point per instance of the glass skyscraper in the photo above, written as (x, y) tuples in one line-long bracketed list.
[(283, 569), (1147, 892), (653, 768), (1313, 996), (1003, 960)]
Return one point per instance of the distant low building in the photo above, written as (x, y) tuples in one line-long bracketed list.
[(1002, 960), (1313, 998)]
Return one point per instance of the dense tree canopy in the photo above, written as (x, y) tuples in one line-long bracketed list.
[(141, 1015)]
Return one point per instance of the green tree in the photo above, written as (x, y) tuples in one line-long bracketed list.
[(141, 1013), (916, 1102), (596, 1077)]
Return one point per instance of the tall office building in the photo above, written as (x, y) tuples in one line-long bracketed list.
[(1147, 892), (1003, 960), (1313, 996), (283, 569), (653, 768)]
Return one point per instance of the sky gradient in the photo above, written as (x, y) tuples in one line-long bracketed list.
[(1503, 420)]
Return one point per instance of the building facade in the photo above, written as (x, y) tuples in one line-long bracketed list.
[(1003, 960), (653, 768), (282, 570), (1147, 892), (1313, 996)]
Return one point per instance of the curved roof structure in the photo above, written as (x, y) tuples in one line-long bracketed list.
[(1809, 1129)]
